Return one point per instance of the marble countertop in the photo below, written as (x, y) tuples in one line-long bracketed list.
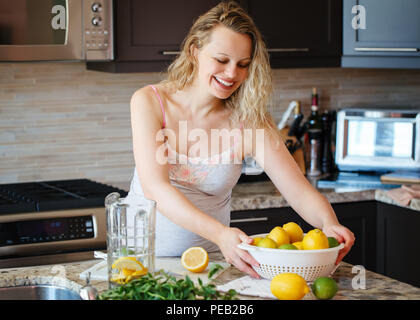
[(247, 196), (262, 195), (381, 195), (377, 287)]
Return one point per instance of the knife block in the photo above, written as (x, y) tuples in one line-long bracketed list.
[(298, 154)]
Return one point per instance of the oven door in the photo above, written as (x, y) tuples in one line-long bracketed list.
[(41, 30)]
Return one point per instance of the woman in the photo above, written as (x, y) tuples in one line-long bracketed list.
[(218, 87)]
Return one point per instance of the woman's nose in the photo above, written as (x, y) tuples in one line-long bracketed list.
[(231, 71)]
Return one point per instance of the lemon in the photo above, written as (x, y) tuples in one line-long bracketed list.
[(279, 235), (333, 242), (324, 288), (289, 286), (256, 240), (294, 231), (314, 240), (128, 263), (136, 274), (118, 278), (128, 268), (195, 259), (267, 243), (288, 246), (127, 272), (298, 245)]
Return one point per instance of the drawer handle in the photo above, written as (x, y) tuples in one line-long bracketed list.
[(249, 220), (387, 49), (288, 50), (170, 53)]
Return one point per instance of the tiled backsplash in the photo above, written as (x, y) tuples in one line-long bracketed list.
[(61, 121)]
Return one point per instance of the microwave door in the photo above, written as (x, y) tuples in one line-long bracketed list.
[(41, 30)]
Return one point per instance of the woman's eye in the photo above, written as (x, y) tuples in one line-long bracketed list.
[(222, 61), (243, 66)]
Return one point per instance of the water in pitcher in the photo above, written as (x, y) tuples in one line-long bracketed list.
[(130, 239)]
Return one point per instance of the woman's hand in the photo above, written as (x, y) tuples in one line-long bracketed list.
[(342, 234), (241, 259)]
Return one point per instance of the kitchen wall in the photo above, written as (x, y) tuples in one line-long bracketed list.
[(61, 121)]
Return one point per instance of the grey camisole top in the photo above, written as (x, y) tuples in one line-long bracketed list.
[(206, 182)]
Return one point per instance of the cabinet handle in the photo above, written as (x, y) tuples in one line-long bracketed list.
[(388, 49), (249, 220), (288, 50), (170, 53)]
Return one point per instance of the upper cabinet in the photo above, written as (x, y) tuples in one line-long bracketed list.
[(381, 33), (149, 33), (299, 33)]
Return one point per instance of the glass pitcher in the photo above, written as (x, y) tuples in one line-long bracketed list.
[(130, 239)]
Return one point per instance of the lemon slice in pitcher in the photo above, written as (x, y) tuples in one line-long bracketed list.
[(128, 263)]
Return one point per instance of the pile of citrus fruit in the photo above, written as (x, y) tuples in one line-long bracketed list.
[(128, 268), (290, 237), (291, 286)]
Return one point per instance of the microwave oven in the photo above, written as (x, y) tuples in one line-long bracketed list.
[(380, 140), (56, 30)]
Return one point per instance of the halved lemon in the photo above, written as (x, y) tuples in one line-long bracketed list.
[(195, 259)]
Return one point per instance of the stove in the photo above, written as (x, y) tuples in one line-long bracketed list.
[(52, 221)]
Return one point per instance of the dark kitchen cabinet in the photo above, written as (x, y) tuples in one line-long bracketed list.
[(300, 33), (149, 33), (381, 33), (263, 220), (398, 245), (386, 235), (359, 217)]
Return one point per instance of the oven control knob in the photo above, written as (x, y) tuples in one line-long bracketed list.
[(97, 21), (96, 7)]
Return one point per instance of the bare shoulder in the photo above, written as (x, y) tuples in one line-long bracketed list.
[(145, 103)]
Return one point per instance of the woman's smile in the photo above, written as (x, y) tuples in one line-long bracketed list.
[(223, 84)]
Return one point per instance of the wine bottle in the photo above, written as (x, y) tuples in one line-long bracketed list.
[(314, 154)]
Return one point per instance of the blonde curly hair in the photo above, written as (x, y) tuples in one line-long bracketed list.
[(249, 102)]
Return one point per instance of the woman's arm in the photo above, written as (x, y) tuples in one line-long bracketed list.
[(153, 172), (311, 205)]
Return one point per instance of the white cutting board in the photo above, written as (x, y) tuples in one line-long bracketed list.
[(172, 265)]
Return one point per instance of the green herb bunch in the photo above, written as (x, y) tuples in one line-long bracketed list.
[(163, 286)]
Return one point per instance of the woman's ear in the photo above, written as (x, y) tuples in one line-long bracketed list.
[(194, 53)]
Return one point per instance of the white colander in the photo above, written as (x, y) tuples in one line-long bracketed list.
[(310, 264)]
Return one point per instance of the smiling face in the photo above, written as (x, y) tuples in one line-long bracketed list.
[(223, 62)]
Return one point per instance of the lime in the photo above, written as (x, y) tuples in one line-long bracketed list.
[(288, 246), (333, 242), (324, 288)]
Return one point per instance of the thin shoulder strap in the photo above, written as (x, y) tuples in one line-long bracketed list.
[(161, 106)]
